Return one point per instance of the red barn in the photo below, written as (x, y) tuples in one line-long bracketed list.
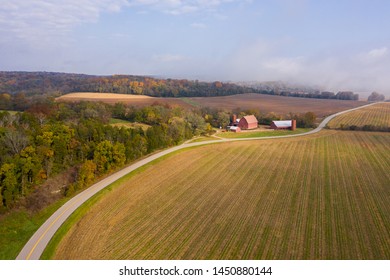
[(248, 122)]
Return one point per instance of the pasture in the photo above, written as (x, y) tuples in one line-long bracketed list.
[(323, 196), (375, 115), (126, 124), (262, 133)]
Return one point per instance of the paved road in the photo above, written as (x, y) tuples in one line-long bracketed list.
[(38, 242)]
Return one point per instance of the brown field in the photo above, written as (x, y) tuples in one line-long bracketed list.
[(376, 115), (112, 98), (323, 196), (278, 104), (265, 103)]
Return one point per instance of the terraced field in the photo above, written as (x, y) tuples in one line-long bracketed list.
[(376, 115), (323, 196)]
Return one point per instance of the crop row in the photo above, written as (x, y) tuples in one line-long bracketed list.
[(377, 115), (324, 196)]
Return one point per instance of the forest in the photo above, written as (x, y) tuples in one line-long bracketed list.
[(50, 138), (50, 83)]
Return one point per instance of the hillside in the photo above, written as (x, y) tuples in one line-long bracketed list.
[(273, 199), (376, 117), (51, 83)]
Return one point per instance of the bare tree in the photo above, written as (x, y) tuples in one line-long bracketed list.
[(15, 141)]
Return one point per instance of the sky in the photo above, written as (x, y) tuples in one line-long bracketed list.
[(333, 44)]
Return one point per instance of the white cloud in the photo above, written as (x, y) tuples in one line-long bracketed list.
[(377, 53), (285, 65), (267, 60), (198, 25), (168, 58), (179, 7), (40, 21)]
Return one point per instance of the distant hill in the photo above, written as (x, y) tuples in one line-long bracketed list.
[(19, 89), (51, 83), (296, 90)]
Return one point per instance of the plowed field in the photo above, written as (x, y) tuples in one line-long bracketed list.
[(277, 104), (324, 196)]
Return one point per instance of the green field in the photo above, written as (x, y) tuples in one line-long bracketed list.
[(252, 134), (127, 124), (376, 115), (323, 196)]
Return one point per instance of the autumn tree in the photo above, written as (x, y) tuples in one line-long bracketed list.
[(107, 156), (86, 174)]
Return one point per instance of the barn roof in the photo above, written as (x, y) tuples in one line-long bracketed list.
[(250, 119), (282, 123)]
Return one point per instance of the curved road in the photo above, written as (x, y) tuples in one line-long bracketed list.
[(38, 242)]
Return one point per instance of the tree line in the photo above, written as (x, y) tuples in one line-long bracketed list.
[(341, 95), (55, 84), (18, 88)]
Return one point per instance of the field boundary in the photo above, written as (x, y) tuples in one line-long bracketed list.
[(38, 242)]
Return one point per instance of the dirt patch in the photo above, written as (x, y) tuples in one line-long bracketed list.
[(50, 191)]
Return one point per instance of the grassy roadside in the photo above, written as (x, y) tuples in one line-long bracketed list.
[(202, 139), (262, 133), (83, 209), (17, 228)]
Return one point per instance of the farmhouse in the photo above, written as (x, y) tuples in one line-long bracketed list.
[(287, 124), (248, 122)]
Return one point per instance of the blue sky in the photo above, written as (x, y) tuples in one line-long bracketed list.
[(337, 45)]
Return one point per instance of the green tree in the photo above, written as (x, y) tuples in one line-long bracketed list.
[(8, 185), (223, 119), (29, 165), (196, 122)]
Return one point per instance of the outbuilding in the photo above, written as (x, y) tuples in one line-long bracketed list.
[(235, 129), (287, 124)]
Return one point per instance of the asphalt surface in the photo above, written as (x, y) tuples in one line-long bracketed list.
[(38, 242)]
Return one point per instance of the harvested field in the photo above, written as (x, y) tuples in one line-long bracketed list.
[(277, 104), (376, 115), (265, 103), (323, 196), (112, 98)]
